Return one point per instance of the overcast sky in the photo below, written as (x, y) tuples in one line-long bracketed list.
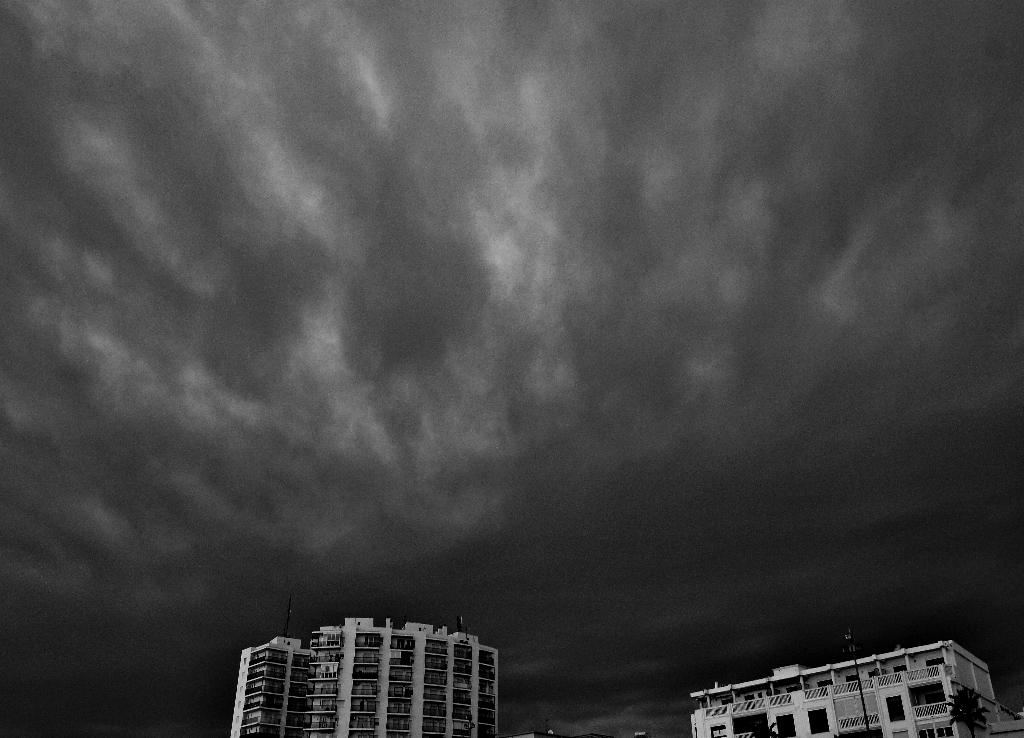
[(662, 341)]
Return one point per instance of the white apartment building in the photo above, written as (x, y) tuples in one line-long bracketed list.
[(371, 679), (904, 695), (270, 698)]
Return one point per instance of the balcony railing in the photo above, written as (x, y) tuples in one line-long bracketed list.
[(780, 699), (322, 706), (889, 680), (438, 648), (320, 722), (929, 711), (925, 674), (816, 694), (365, 689), (327, 641), (851, 687), (367, 658), (324, 657), (856, 723), (324, 672), (748, 706)]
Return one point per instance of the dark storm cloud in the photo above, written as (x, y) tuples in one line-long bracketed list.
[(660, 318)]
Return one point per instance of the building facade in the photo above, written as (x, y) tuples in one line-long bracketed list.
[(270, 698), (373, 679), (904, 696)]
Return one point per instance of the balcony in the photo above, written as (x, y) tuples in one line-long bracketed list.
[(939, 709), (400, 675), (890, 680), (463, 667), (319, 689), (817, 693), (327, 641), (322, 705), (368, 640), (778, 700), (852, 688), (325, 657), (370, 657), (399, 708), (748, 706), (927, 674), (324, 673), (438, 648), (320, 722), (850, 724), (365, 689), (274, 657)]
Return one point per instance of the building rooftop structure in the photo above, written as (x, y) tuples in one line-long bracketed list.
[(905, 691)]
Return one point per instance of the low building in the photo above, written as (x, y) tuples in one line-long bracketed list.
[(270, 696), (903, 693)]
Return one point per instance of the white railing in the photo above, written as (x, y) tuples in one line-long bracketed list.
[(748, 706), (716, 711), (888, 680), (928, 711), (780, 699), (929, 672), (744, 735), (865, 684), (815, 694), (855, 723)]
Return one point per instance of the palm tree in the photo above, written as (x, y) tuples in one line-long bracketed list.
[(966, 707)]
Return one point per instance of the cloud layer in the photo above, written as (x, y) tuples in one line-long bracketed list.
[(588, 306)]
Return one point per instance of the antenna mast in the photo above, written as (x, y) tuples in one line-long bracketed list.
[(288, 620)]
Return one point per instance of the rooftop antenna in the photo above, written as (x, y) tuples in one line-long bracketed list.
[(458, 624), (288, 620)]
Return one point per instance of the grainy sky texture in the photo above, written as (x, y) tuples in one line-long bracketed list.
[(660, 340)]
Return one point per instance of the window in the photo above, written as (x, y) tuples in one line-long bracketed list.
[(899, 668), (894, 705), (935, 662), (824, 683), (945, 732), (817, 720), (717, 731), (793, 688), (851, 678), (785, 726), (926, 733)]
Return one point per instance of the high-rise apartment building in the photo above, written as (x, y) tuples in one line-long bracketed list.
[(373, 679), (270, 699), (905, 694)]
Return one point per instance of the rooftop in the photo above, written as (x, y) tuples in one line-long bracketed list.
[(795, 670)]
